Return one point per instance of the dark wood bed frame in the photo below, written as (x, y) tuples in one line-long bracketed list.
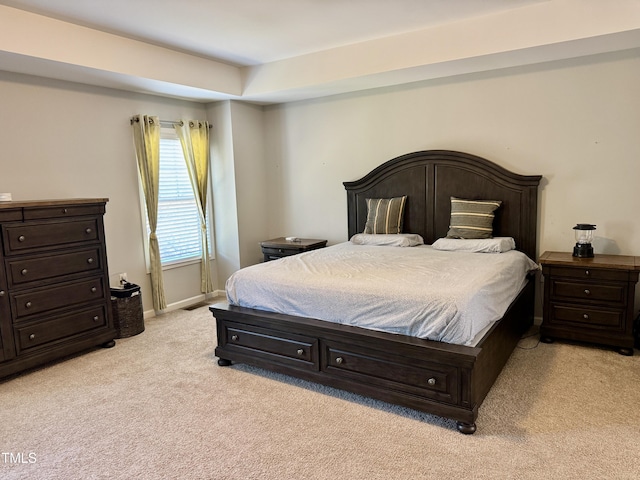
[(438, 378)]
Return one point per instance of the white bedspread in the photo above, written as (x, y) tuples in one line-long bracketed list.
[(416, 291)]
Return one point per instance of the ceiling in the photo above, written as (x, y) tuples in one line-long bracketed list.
[(267, 46), (251, 32)]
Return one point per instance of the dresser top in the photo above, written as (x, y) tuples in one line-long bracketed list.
[(50, 203), (621, 262)]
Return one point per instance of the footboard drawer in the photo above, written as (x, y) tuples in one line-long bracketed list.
[(408, 375), (286, 348)]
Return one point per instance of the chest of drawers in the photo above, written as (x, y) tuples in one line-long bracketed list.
[(589, 299), (54, 289)]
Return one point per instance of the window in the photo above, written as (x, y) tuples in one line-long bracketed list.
[(178, 227)]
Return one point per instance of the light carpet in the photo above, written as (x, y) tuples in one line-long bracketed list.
[(157, 406)]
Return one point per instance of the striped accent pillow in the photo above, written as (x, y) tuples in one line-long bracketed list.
[(385, 215), (472, 218)]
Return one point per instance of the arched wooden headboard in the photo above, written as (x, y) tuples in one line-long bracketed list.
[(430, 178)]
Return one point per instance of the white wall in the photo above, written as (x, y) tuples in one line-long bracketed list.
[(251, 179), (239, 185), (575, 122), (279, 170), (63, 140)]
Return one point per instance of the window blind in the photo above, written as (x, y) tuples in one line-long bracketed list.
[(178, 227)]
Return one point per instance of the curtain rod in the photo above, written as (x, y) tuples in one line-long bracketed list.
[(163, 123)]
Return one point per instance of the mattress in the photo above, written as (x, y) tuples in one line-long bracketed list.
[(418, 291)]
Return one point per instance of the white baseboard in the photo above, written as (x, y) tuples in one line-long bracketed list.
[(185, 303)]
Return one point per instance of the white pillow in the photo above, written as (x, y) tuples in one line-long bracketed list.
[(389, 240), (483, 245)]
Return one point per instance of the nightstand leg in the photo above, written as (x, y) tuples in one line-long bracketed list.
[(545, 339), (625, 351)]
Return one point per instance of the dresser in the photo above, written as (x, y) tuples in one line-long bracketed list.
[(281, 247), (589, 299), (54, 284)]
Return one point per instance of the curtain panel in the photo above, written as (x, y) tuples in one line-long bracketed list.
[(146, 137), (194, 138)]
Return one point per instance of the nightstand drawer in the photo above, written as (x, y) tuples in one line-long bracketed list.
[(587, 273), (587, 317), (596, 292), (280, 252)]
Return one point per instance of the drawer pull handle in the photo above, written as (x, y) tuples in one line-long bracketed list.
[(431, 381), (32, 336), (587, 273), (1, 293), (234, 338), (24, 271), (88, 230), (300, 351), (585, 316), (96, 318), (94, 289), (89, 260), (64, 210), (587, 291), (28, 305), (21, 238), (339, 360)]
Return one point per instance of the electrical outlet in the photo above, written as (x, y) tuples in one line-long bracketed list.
[(123, 278)]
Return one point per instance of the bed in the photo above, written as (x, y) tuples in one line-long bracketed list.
[(444, 379)]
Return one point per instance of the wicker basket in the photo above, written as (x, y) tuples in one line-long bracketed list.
[(127, 316)]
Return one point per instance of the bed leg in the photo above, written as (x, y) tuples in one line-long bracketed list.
[(223, 362), (466, 428)]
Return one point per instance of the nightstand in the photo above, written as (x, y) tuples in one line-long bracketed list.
[(589, 299), (281, 247)]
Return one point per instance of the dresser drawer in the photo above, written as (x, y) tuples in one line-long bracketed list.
[(289, 349), (37, 334), (414, 376), (20, 238), (588, 317), (585, 291), (62, 211), (23, 270), (37, 300)]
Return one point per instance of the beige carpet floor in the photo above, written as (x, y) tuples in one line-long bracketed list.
[(157, 406)]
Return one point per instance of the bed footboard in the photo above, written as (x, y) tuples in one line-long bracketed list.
[(442, 379)]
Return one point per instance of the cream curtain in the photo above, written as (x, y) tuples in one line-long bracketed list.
[(146, 138), (194, 137)]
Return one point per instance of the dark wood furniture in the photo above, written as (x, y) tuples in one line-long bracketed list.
[(54, 283), (589, 299), (442, 379), (281, 247)]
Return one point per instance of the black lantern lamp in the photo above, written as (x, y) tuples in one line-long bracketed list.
[(584, 236)]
